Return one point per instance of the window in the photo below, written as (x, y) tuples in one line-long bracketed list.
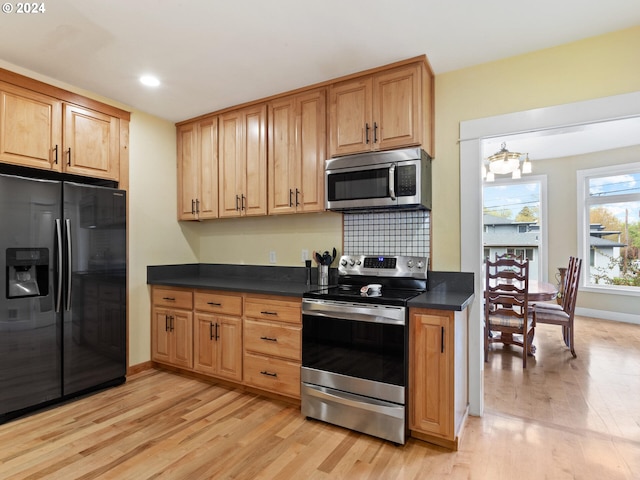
[(514, 220), (610, 227)]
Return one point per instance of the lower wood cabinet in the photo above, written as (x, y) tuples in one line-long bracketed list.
[(438, 375), (272, 344), (253, 340)]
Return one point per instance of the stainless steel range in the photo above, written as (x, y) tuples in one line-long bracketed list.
[(355, 345)]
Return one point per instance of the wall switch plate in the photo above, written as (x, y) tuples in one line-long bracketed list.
[(272, 257), (305, 255)]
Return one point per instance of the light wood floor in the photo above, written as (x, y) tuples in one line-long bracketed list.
[(562, 418)]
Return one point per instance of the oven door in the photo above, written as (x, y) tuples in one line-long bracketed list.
[(359, 344)]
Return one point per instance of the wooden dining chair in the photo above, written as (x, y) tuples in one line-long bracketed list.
[(506, 305), (563, 314)]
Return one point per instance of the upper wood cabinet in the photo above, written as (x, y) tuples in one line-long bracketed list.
[(198, 169), (297, 151), (30, 128), (381, 111), (243, 162), (39, 128), (90, 145)]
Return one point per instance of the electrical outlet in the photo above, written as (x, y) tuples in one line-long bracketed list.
[(272, 257), (305, 255)]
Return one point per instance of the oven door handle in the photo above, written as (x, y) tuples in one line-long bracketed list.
[(360, 313), (356, 401)]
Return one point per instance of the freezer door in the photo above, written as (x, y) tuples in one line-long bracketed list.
[(30, 328), (94, 327)]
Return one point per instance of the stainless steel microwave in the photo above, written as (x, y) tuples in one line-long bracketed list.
[(394, 179)]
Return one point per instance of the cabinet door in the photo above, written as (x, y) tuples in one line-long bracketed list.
[(160, 336), (207, 204), (30, 128), (311, 150), (431, 358), (204, 343), (91, 143), (229, 348), (397, 108), (231, 164), (254, 201), (350, 122), (282, 156), (188, 168), (182, 341)]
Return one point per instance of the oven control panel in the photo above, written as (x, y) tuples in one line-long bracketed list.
[(384, 266)]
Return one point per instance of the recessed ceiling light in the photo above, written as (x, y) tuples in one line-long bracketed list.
[(149, 81)]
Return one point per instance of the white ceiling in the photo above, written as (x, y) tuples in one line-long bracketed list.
[(211, 54)]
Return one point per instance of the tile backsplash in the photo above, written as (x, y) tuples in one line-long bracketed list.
[(387, 233)]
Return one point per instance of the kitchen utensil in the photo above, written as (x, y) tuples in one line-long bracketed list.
[(318, 258)]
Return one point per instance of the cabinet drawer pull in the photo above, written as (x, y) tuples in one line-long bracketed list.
[(269, 339), (169, 299), (214, 304), (269, 313), (269, 374)]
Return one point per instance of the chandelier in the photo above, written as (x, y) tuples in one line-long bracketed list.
[(505, 162)]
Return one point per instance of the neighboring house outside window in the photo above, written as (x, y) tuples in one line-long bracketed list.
[(609, 220), (503, 235)]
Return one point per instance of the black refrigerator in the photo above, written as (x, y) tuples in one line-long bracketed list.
[(63, 301)]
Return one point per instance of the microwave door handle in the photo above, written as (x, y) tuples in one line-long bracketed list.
[(392, 181)]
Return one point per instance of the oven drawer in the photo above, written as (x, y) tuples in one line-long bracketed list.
[(268, 308), (279, 376), (218, 303), (272, 339), (168, 297)]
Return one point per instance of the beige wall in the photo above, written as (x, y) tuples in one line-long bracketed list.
[(591, 68)]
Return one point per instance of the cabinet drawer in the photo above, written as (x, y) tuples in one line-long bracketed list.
[(167, 297), (272, 339), (218, 303), (279, 376), (273, 309)]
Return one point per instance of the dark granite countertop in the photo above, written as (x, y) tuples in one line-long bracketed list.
[(447, 290)]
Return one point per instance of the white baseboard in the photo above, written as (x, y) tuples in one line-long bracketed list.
[(605, 315)]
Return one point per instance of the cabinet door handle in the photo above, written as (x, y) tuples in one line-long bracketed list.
[(237, 202), (214, 304), (297, 199), (269, 339), (243, 199), (366, 132), (166, 323), (217, 336), (193, 209), (210, 331), (197, 206), (441, 339), (375, 132), (69, 153), (55, 156), (269, 374), (269, 313), (290, 198), (171, 318)]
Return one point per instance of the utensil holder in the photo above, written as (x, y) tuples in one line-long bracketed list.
[(323, 275)]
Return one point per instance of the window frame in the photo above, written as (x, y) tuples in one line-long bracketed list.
[(584, 203)]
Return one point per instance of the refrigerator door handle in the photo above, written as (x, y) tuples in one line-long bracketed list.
[(69, 250), (59, 269)]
